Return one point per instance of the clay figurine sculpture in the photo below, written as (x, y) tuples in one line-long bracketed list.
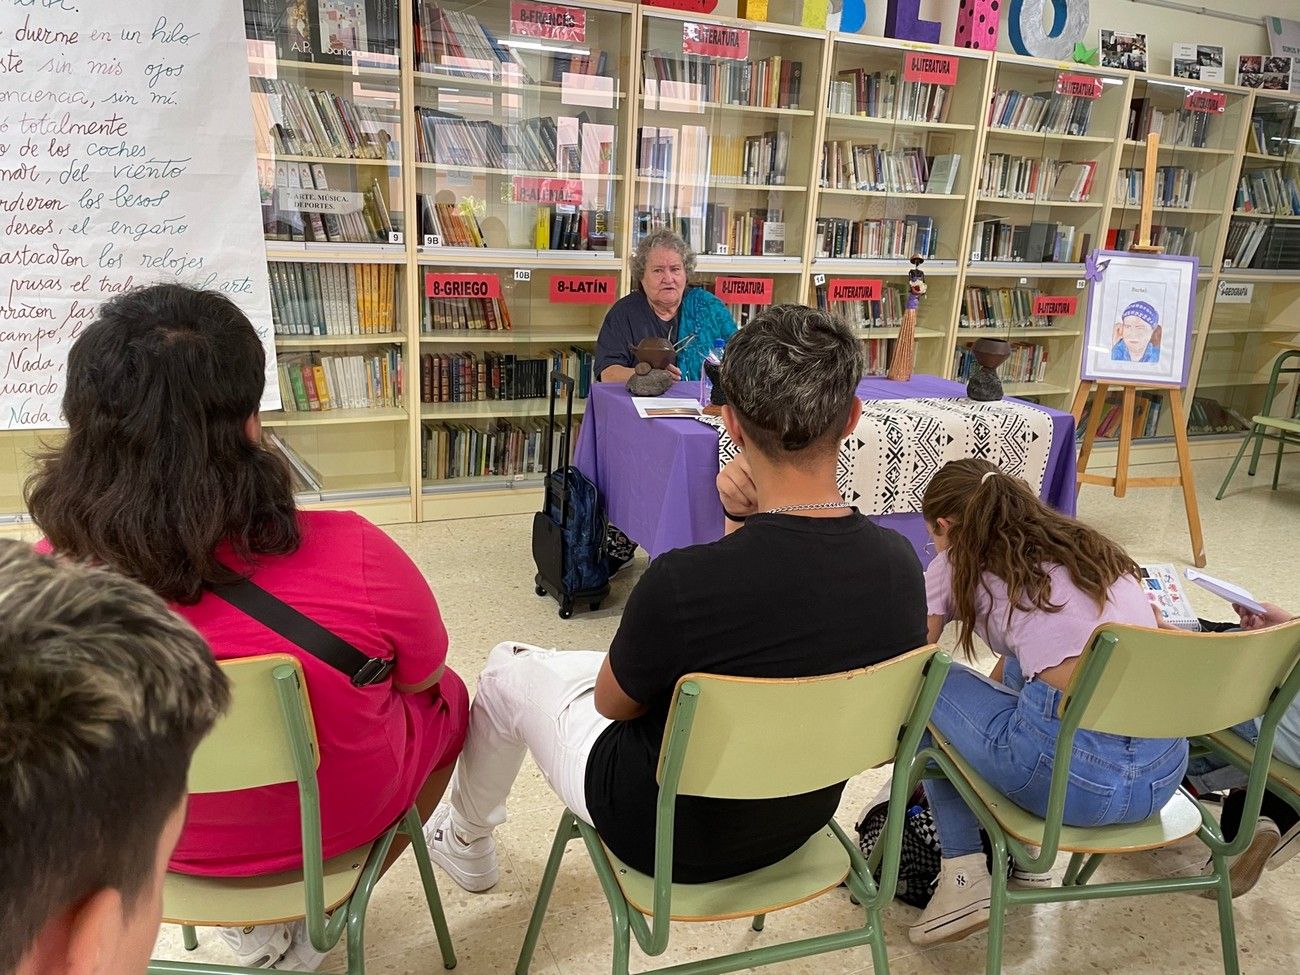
[(900, 366), (984, 386), (650, 375)]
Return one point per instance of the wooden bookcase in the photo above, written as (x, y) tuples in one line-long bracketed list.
[(642, 123)]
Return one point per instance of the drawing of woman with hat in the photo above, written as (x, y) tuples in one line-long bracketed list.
[(1137, 334)]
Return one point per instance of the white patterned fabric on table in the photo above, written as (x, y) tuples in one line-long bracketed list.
[(899, 445)]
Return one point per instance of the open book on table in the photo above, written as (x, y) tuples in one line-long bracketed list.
[(1168, 594)]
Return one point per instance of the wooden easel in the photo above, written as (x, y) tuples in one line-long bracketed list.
[(1121, 482)]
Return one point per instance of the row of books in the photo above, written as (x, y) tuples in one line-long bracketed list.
[(1268, 191), (456, 43), (296, 120), (499, 449), (718, 229), (311, 382), (1273, 132), (1178, 127), (1026, 364), (446, 138), (333, 299), (1147, 408), (1175, 240), (848, 165), (1005, 176), (878, 239), (567, 228), (1175, 187), (875, 356), (1208, 415), (369, 223), (465, 314), (693, 157), (1262, 244), (1003, 308), (996, 239), (302, 475), (886, 312), (771, 82), (742, 315), (1044, 111), (468, 377), (330, 31), (880, 94)]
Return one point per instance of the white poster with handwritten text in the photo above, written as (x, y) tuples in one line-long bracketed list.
[(126, 158)]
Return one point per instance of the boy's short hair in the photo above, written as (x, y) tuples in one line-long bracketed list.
[(791, 375), (104, 694)]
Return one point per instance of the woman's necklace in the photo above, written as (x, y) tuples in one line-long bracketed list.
[(822, 506)]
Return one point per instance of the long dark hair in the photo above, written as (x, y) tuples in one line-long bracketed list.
[(998, 525), (157, 469)]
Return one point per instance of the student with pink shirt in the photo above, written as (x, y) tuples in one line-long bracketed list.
[(164, 478), (1033, 585)]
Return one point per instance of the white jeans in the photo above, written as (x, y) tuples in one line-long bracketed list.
[(534, 700)]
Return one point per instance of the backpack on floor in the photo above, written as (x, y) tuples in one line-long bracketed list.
[(918, 865)]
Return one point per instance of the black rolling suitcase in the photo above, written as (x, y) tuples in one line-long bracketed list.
[(569, 531)]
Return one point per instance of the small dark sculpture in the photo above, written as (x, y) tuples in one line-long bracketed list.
[(984, 386), (658, 353), (647, 381), (904, 357)]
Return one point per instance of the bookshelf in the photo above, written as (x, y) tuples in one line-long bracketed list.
[(474, 147)]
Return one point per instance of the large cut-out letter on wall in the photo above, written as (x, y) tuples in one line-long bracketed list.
[(1026, 33), (903, 20), (977, 24)]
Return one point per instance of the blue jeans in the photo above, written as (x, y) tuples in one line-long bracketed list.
[(1007, 733), (1209, 773)]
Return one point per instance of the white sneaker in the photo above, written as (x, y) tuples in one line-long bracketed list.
[(1026, 880), (1289, 847), (960, 905), (1245, 868), (258, 947), (302, 956), (471, 863)]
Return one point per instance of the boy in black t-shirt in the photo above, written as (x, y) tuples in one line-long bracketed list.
[(806, 587)]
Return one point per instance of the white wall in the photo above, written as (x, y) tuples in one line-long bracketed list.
[(1162, 26)]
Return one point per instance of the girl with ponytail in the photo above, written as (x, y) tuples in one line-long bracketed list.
[(1033, 585), (163, 477)]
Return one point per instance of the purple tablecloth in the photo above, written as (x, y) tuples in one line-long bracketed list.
[(657, 476)]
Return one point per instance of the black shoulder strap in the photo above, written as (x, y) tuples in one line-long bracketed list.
[(302, 631)]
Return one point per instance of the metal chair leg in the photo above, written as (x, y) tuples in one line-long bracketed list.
[(412, 827), (1277, 464), (1253, 435), (1072, 871), (997, 905), (1227, 927), (189, 936), (567, 831), (758, 922)]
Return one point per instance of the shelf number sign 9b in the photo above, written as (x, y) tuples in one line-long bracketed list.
[(523, 274)]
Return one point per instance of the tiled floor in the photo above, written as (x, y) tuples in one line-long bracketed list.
[(481, 571)]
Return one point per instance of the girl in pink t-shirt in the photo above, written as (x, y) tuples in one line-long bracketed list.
[(1033, 585), (164, 478)]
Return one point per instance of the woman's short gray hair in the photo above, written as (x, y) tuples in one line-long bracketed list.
[(667, 239)]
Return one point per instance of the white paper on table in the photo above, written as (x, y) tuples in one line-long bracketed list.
[(665, 408), (1225, 590)]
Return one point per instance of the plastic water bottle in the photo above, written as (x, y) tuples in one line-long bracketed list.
[(706, 384)]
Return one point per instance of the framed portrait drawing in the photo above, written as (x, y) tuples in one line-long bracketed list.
[(1139, 323)]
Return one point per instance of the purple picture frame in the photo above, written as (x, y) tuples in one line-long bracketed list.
[(1098, 264)]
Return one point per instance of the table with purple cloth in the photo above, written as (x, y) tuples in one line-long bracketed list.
[(657, 477)]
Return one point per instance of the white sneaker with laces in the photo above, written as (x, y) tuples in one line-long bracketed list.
[(1245, 868), (302, 956), (471, 863), (258, 946), (960, 905)]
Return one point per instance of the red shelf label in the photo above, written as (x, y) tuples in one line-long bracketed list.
[(1055, 304), (462, 285), (583, 289), (853, 289), (548, 20), (690, 6), (743, 291), (1210, 102), (715, 41), (936, 69), (1079, 85), (548, 190)]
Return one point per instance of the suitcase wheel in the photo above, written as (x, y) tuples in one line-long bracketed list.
[(540, 590), (566, 610)]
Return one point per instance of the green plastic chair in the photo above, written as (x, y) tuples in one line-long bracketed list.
[(1285, 430), (1145, 683), (269, 737), (744, 738), (1283, 779)]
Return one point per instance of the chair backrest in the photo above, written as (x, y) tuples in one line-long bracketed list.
[(251, 745), (1283, 366), (752, 738), (1153, 683)]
